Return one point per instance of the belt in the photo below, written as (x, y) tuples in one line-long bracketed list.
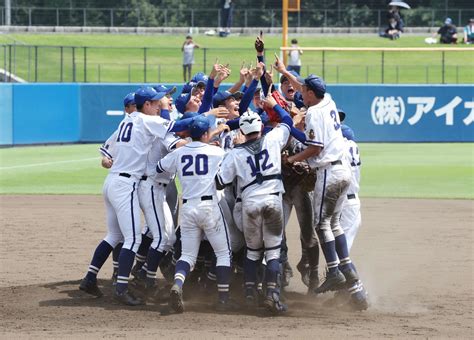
[(336, 162), (351, 196), (124, 174), (238, 200), (144, 178), (260, 179), (203, 198)]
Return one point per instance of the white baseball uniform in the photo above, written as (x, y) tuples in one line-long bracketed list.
[(351, 217), (152, 196), (257, 165), (323, 129), (133, 140), (197, 164)]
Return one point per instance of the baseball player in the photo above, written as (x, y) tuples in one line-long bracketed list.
[(257, 165), (325, 152), (196, 165), (134, 139)]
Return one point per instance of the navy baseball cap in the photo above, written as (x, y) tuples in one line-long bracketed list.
[(221, 96), (167, 90), (181, 102), (342, 114), (199, 126), (316, 84), (200, 78), (347, 132), (284, 78), (129, 99), (147, 94)]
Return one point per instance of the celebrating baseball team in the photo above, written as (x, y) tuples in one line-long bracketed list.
[(243, 159)]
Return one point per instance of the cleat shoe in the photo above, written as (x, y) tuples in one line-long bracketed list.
[(128, 299), (303, 268), (168, 272), (274, 305), (287, 274), (351, 276), (176, 299), (227, 306), (138, 283), (340, 298), (313, 281), (90, 287), (359, 301), (333, 281)]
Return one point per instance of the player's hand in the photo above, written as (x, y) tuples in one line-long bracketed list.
[(223, 127), (239, 138), (259, 44), (219, 112), (279, 66), (107, 162), (269, 101), (269, 75), (258, 71), (243, 72), (215, 69), (165, 103)]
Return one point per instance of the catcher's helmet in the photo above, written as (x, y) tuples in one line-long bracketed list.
[(250, 122)]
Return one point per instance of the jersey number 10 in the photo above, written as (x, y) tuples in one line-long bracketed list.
[(125, 133)]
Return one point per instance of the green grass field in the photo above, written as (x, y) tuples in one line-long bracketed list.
[(125, 62), (388, 170)]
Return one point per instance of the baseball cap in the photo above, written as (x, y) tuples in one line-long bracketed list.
[(222, 96), (342, 114), (181, 102), (347, 132), (200, 78), (316, 84), (188, 87), (147, 94), (167, 90), (129, 99), (199, 126), (448, 21), (284, 78)]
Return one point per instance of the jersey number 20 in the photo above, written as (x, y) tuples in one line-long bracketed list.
[(125, 132), (200, 165)]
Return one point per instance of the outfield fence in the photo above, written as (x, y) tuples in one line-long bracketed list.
[(84, 64), (361, 16)]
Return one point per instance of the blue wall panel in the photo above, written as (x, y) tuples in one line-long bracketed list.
[(408, 113), (6, 114), (68, 113), (45, 113)]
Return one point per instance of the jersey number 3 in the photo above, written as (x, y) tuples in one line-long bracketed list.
[(200, 165), (125, 132)]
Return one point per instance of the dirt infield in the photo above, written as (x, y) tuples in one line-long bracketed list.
[(415, 257)]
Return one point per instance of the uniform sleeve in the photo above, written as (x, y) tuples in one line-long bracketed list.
[(314, 130), (157, 126), (168, 163), (280, 135), (227, 170), (107, 149), (170, 141)]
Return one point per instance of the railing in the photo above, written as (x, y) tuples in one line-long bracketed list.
[(243, 17), (160, 65)]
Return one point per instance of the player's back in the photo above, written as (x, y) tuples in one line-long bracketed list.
[(197, 165), (323, 128), (353, 158), (257, 163), (134, 139)]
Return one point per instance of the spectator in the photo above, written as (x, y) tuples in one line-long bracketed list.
[(448, 33), (395, 26), (294, 62), (227, 7), (188, 57), (469, 32)]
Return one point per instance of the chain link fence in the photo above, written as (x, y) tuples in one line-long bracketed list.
[(242, 17)]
